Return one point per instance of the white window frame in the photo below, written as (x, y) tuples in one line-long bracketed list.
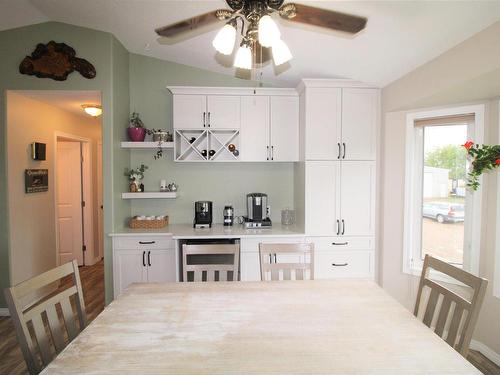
[(413, 192), (496, 271)]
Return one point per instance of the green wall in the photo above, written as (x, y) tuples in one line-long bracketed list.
[(222, 183), (111, 62)]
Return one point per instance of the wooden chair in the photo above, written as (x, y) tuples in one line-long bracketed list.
[(456, 316), (47, 325), (212, 271), (300, 255)]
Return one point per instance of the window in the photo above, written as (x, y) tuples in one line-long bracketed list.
[(442, 218)]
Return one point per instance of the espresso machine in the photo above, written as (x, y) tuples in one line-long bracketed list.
[(202, 214), (257, 211)]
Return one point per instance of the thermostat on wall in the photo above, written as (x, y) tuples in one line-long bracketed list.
[(38, 151)]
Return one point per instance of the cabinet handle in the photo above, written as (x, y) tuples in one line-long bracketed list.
[(272, 152), (267, 153), (343, 227), (338, 156), (343, 155), (147, 242), (338, 227), (275, 260), (149, 258), (208, 119), (270, 258), (340, 243), (144, 259), (340, 264)]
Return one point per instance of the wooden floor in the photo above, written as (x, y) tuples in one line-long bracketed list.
[(11, 358), (12, 362)]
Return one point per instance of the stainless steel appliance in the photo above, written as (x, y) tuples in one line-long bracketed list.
[(202, 214), (228, 215), (257, 211)]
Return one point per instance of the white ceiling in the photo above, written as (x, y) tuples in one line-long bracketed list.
[(66, 100), (399, 37)]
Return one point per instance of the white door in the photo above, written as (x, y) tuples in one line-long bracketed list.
[(189, 111), (69, 202), (357, 193), (223, 112), (284, 128), (161, 265), (254, 128), (100, 207), (129, 268), (359, 123), (322, 198), (323, 123)]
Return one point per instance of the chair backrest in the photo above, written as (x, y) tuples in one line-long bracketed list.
[(452, 316), (195, 262), (46, 318), (286, 261)]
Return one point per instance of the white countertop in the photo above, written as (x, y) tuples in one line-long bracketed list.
[(184, 231)]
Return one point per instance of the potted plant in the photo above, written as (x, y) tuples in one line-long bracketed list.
[(135, 176), (160, 136), (483, 158), (136, 130)]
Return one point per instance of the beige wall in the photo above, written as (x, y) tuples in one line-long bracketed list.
[(32, 216), (466, 74)]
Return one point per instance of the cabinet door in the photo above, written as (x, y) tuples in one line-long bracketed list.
[(357, 197), (128, 268), (250, 266), (323, 123), (284, 128), (322, 198), (359, 123), (189, 111), (254, 128), (223, 112), (161, 266)]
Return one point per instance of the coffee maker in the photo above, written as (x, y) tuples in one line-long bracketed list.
[(257, 211), (202, 214)]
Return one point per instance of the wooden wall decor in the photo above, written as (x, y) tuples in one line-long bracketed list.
[(56, 61)]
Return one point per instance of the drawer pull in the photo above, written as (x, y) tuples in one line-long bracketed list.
[(340, 264), (147, 242), (143, 259), (340, 243)]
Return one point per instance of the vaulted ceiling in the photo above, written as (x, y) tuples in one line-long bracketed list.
[(400, 35)]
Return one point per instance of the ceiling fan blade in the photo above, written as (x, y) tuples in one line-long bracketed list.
[(190, 24), (323, 18)]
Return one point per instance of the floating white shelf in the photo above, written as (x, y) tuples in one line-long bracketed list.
[(150, 195), (144, 145)]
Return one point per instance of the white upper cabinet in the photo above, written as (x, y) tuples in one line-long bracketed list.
[(323, 118), (223, 112), (190, 111), (359, 123), (254, 128), (284, 128), (357, 198)]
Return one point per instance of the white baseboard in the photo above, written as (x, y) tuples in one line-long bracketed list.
[(4, 311), (486, 351)]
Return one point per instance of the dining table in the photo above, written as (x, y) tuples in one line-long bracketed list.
[(279, 327)]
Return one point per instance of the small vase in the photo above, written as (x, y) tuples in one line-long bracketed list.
[(136, 134)]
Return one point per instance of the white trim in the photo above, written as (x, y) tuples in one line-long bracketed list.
[(411, 231), (496, 271), (4, 311), (233, 91), (331, 83), (486, 351)]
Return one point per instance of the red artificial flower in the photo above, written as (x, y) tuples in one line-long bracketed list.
[(497, 162), (468, 144)]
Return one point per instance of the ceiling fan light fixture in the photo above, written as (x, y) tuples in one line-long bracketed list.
[(269, 33), (281, 53), (225, 38), (243, 59)]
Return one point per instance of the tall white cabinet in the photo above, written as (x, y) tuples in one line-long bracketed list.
[(339, 128)]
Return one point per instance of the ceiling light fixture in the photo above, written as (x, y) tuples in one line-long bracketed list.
[(225, 38), (93, 110), (281, 52), (243, 59)]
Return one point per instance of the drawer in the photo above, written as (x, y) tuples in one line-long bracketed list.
[(342, 243), (252, 244), (343, 264), (143, 242)]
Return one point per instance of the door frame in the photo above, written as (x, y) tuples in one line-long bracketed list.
[(87, 193)]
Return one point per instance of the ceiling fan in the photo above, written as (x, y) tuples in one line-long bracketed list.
[(259, 32)]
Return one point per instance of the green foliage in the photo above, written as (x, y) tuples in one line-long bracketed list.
[(484, 158), (449, 157), (136, 174)]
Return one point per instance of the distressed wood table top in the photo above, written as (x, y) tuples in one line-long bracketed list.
[(292, 327)]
